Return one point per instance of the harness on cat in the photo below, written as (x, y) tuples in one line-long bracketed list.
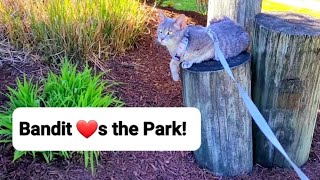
[(183, 44)]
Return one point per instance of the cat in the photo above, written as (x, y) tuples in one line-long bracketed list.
[(233, 40)]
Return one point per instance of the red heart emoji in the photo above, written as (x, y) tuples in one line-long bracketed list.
[(87, 128)]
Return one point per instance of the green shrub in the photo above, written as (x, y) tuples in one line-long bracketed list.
[(77, 29), (27, 95), (160, 2), (69, 89)]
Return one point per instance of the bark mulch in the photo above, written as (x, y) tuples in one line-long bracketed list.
[(143, 80), (17, 63)]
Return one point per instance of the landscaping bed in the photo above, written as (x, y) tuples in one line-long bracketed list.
[(143, 80)]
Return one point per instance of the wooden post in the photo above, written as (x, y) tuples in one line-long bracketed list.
[(286, 82), (241, 11), (226, 144)]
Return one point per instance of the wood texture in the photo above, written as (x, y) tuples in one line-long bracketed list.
[(226, 144), (241, 11), (286, 70)]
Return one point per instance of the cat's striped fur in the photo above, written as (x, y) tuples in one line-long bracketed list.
[(232, 37)]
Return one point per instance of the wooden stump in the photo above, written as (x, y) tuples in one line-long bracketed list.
[(286, 70), (241, 11), (226, 144)]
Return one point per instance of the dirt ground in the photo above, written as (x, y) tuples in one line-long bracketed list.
[(144, 80)]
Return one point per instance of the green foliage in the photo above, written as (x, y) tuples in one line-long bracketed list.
[(77, 29), (68, 89), (186, 5), (160, 2), (25, 96), (170, 3), (72, 89), (202, 6)]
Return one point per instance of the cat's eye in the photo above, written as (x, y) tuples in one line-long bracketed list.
[(160, 31), (169, 32)]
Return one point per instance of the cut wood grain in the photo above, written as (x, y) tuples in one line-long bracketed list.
[(286, 71), (226, 144), (241, 11)]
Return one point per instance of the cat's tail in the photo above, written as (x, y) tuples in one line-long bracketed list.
[(220, 19)]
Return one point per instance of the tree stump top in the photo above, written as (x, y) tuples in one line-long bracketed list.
[(213, 65), (290, 23)]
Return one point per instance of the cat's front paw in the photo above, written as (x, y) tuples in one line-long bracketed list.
[(186, 65), (175, 76)]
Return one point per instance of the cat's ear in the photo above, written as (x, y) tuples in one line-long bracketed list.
[(162, 17), (180, 22)]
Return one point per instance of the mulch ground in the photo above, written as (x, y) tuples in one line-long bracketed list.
[(144, 80)]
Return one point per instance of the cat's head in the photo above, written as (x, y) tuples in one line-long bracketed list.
[(169, 28)]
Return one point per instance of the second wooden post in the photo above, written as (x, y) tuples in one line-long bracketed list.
[(286, 84)]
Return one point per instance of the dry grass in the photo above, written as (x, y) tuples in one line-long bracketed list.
[(88, 30)]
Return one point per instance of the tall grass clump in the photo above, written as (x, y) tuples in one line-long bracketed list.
[(77, 29), (202, 6), (67, 89)]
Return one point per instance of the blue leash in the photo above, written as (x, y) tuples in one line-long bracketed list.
[(182, 46), (252, 108)]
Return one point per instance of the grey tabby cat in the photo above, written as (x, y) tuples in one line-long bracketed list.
[(232, 38)]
